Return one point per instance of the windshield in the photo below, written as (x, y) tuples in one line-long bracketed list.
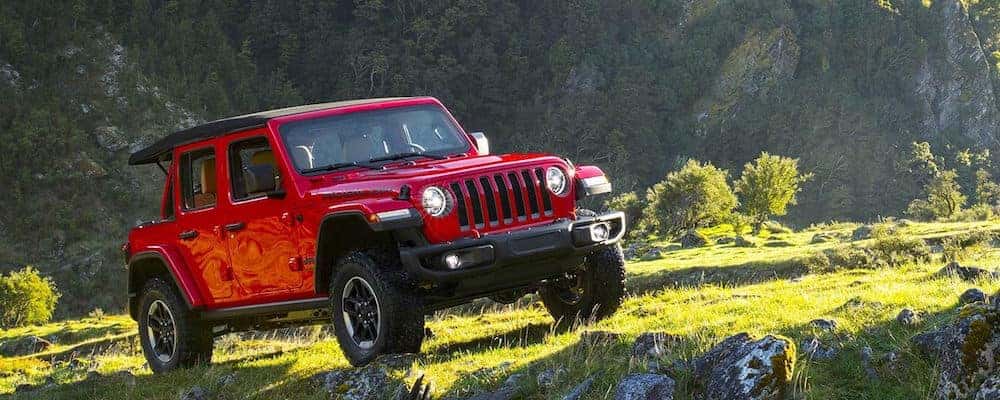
[(364, 137)]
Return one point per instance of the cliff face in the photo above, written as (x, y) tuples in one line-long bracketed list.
[(636, 87)]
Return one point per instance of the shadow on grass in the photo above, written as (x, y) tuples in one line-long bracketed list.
[(518, 337), (737, 275)]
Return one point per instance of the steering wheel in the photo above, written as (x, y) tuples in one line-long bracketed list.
[(418, 147)]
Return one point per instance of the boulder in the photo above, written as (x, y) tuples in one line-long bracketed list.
[(510, 389), (227, 379), (726, 240), (828, 325), (816, 350), (990, 389), (654, 253), (746, 369), (24, 346), (651, 344), (973, 295), (692, 239), (580, 389), (645, 387), (357, 384), (111, 138), (868, 364), (965, 273), (907, 317), (631, 252), (550, 377), (822, 238), (862, 232), (967, 351), (743, 242), (194, 393), (125, 376)]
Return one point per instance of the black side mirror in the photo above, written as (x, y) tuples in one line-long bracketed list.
[(260, 179)]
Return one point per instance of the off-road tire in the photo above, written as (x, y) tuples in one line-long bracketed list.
[(602, 279), (193, 341), (401, 326)]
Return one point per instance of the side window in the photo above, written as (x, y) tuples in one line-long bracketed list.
[(246, 153), (197, 170), (168, 202)]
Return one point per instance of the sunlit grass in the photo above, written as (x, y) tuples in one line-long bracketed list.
[(701, 295)]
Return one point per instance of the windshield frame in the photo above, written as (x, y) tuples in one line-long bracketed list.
[(280, 130)]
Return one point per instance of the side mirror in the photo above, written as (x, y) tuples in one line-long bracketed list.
[(482, 143), (260, 179)]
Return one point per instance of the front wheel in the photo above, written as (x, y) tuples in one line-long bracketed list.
[(373, 312), (591, 293), (171, 337)]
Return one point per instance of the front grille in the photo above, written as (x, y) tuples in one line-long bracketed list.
[(501, 199)]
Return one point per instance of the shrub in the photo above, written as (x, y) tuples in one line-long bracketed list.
[(768, 185), (26, 298), (696, 196), (776, 227), (920, 210), (987, 191), (959, 246), (631, 205), (978, 212), (891, 249), (944, 197)]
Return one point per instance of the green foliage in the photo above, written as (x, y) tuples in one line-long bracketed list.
[(26, 298), (944, 197), (768, 185), (957, 247), (632, 205), (987, 190), (695, 196), (978, 212)]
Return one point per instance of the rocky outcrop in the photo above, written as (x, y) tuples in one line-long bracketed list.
[(745, 369), (967, 353), (24, 346), (692, 239), (954, 85), (645, 387), (966, 273)]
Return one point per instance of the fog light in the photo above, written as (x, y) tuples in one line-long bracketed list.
[(599, 232), (452, 261)]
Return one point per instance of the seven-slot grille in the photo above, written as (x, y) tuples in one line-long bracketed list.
[(501, 198)]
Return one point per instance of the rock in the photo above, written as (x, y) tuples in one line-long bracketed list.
[(968, 351), (936, 248), (989, 390), (907, 317), (817, 350), (726, 240), (25, 388), (507, 391), (24, 346), (965, 273), (692, 239), (227, 379), (929, 343), (645, 387), (654, 253), (357, 384), (195, 393), (125, 376), (111, 138), (421, 390), (581, 389), (822, 238), (743, 242), (743, 368), (631, 252), (550, 377), (862, 232), (903, 223), (828, 325), (867, 364), (598, 338), (651, 344), (973, 295)]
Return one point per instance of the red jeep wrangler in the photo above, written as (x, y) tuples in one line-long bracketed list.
[(373, 213)]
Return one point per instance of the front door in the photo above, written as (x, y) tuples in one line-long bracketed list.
[(262, 247), (201, 242)]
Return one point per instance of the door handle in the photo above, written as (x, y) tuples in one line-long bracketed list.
[(235, 226), (188, 235)]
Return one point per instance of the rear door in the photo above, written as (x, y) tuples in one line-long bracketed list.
[(201, 242), (262, 246)]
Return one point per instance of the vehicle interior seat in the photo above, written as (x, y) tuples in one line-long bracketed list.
[(207, 196)]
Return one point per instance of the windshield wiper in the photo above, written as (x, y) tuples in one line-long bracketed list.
[(400, 156), (334, 167)]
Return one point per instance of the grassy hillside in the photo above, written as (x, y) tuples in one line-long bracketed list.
[(700, 295)]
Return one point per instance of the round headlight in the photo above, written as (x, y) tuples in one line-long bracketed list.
[(435, 201), (555, 180)]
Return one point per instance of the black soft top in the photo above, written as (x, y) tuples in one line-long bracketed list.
[(160, 150)]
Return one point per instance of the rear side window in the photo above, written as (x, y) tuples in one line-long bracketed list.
[(198, 182), (245, 153)]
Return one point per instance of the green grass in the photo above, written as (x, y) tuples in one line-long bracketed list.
[(701, 295)]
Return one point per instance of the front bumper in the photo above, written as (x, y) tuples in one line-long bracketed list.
[(517, 257)]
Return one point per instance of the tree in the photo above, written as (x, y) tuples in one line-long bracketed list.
[(944, 197), (26, 298), (631, 205), (987, 191), (768, 185), (696, 195)]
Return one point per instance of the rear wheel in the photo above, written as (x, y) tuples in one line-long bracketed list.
[(592, 292), (374, 311), (171, 337)]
